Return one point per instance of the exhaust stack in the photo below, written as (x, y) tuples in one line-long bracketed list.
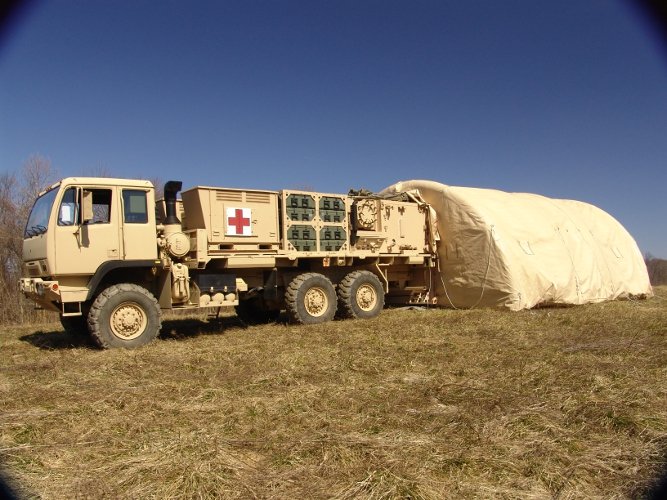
[(175, 241), (171, 189)]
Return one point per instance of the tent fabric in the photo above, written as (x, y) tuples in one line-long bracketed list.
[(521, 250)]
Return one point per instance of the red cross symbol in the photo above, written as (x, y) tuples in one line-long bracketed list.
[(237, 222)]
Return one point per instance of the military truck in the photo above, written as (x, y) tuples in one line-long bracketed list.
[(109, 258)]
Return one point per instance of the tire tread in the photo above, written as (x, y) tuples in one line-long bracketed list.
[(95, 326), (292, 299), (346, 305)]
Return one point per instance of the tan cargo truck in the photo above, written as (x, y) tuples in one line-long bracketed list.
[(108, 258)]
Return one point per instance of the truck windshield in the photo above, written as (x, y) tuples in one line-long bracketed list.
[(38, 221)]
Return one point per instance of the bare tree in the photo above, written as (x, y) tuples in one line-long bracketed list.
[(158, 183), (17, 194), (8, 216), (99, 170), (657, 270)]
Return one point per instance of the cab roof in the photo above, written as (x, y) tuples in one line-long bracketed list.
[(101, 181)]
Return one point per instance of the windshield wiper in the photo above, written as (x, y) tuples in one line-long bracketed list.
[(35, 230)]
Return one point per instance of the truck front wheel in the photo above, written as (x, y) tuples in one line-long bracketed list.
[(360, 295), (310, 298), (124, 315)]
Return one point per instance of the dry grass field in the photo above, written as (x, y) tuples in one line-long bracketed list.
[(549, 403)]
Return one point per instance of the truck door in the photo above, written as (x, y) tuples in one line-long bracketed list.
[(139, 236), (82, 246)]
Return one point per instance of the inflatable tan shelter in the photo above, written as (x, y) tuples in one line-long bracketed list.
[(520, 250)]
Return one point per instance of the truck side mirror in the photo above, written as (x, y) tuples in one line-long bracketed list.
[(87, 207)]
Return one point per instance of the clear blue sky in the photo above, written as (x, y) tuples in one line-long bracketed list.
[(566, 99)]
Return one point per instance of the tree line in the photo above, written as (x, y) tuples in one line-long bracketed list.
[(17, 194), (657, 270)]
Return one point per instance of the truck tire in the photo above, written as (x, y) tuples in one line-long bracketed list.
[(254, 311), (125, 316), (310, 298), (360, 295), (75, 325)]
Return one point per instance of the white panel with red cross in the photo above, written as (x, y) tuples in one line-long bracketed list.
[(238, 222)]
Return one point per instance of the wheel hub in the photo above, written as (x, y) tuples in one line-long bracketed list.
[(366, 297), (316, 301), (128, 321)]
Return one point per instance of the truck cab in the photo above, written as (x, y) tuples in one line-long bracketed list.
[(81, 228)]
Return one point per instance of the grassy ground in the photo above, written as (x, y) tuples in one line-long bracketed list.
[(562, 403)]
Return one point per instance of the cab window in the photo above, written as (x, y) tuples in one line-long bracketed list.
[(135, 208), (101, 206), (68, 213)]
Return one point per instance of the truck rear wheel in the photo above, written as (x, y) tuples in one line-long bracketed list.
[(360, 295), (124, 315), (310, 298)]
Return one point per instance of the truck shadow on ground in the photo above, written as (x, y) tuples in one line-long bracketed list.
[(190, 327), (172, 329), (58, 339)]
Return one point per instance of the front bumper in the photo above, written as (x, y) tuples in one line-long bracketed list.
[(45, 293)]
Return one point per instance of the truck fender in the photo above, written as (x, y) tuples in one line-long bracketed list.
[(112, 265)]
